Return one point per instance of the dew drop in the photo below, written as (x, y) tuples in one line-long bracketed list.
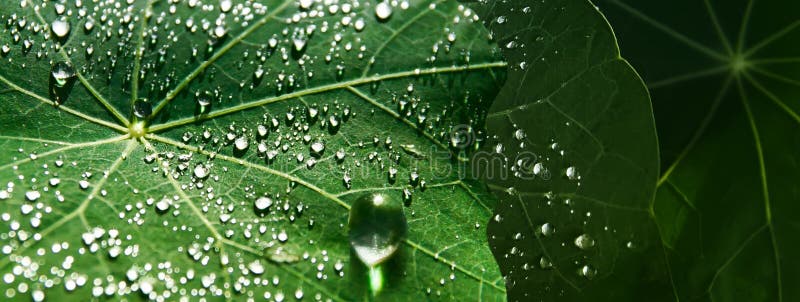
[(545, 263), (377, 225), (200, 171), (32, 195), (547, 229), (60, 27), (241, 143), (263, 203), (383, 10), (587, 271), (584, 241), (204, 102), (62, 72), (142, 108), (225, 5)]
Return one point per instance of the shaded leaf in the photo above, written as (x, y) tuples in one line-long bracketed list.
[(723, 76), (573, 157)]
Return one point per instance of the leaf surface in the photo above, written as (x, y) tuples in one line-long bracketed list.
[(572, 155), (309, 104)]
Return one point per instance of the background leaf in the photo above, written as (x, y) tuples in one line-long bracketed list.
[(310, 104), (724, 82), (573, 156)]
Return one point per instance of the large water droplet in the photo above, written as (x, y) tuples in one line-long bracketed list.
[(62, 73), (587, 271), (204, 102), (60, 27), (142, 108), (546, 229), (383, 10), (377, 225), (584, 242)]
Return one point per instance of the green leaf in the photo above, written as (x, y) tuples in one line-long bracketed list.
[(212, 150), (724, 81), (574, 157)]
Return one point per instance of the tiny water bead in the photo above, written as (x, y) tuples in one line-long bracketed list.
[(377, 226)]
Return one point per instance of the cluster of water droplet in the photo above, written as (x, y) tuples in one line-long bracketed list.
[(307, 40)]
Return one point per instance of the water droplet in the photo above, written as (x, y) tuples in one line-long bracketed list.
[(200, 171), (256, 267), (62, 72), (32, 195), (241, 143), (587, 271), (383, 10), (545, 263), (571, 173), (377, 225), (584, 242), (317, 147), (547, 229), (263, 203), (142, 108), (60, 27), (204, 101), (225, 5), (162, 205)]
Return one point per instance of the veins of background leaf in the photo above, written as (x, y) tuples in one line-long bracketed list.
[(718, 27), (188, 79), (733, 256), (773, 75), (706, 72), (764, 184), (772, 38), (323, 193), (743, 97), (669, 31), (773, 98), (712, 111)]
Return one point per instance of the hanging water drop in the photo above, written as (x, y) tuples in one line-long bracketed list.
[(62, 73), (142, 108), (377, 225), (204, 102)]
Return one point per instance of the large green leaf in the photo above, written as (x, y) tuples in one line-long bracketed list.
[(724, 79), (314, 104), (573, 157)]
